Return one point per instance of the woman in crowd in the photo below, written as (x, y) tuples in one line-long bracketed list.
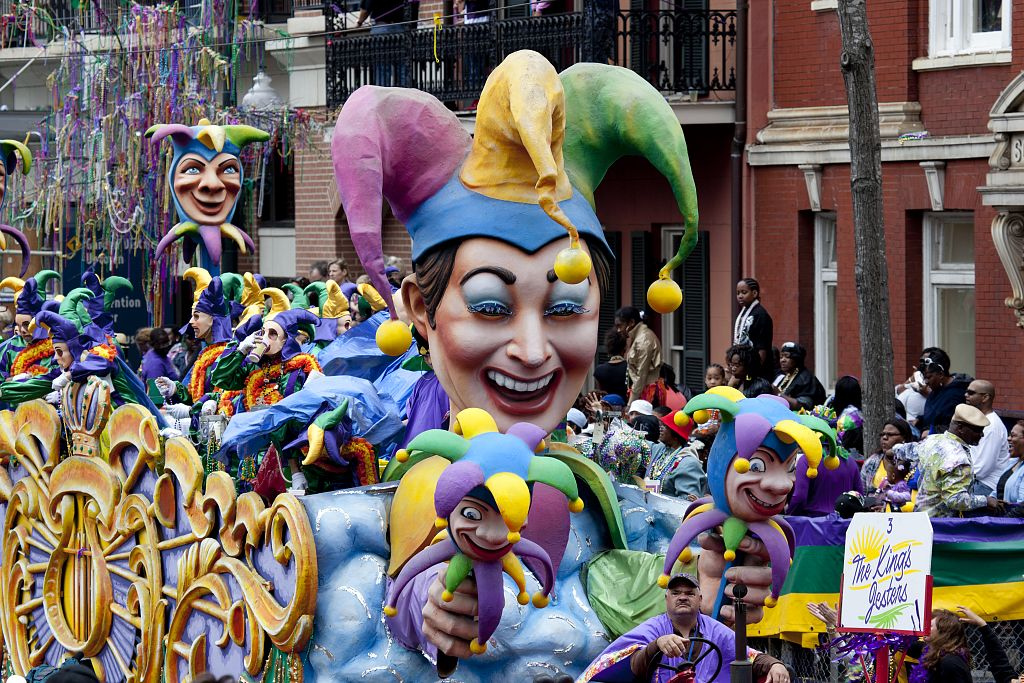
[(1011, 483), (753, 325), (611, 376), (795, 382), (745, 371), (155, 362), (675, 469), (946, 657), (846, 396), (897, 430)]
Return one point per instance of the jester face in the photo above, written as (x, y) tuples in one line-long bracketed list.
[(274, 337), (206, 190), (62, 355), (761, 491), (479, 530), (201, 324)]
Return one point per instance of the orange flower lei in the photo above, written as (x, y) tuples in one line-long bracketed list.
[(226, 403), (262, 386), (105, 351), (197, 381), (29, 359)]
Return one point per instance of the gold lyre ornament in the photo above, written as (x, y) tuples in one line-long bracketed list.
[(86, 409)]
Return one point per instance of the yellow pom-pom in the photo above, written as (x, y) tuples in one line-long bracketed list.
[(394, 337), (681, 419), (572, 265), (401, 455), (390, 611), (513, 537), (447, 596), (540, 600), (741, 465), (770, 601), (729, 555), (476, 648), (576, 505), (686, 556), (663, 581), (664, 295), (701, 416), (441, 523), (812, 472), (831, 462), (523, 598)]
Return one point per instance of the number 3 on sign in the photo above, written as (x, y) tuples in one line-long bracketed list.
[(890, 525)]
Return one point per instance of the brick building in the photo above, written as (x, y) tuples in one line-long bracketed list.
[(950, 196)]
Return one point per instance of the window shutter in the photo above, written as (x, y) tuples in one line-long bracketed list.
[(696, 292), (610, 302)]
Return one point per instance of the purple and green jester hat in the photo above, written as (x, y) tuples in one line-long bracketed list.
[(498, 469), (543, 143), (103, 296), (208, 141), (10, 150), (747, 425), (30, 295), (208, 298), (289, 319)]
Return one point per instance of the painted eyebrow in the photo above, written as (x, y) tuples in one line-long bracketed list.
[(503, 274), (228, 161)]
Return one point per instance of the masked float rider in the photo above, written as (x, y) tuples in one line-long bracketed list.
[(104, 293), (29, 352), (333, 310), (264, 367)]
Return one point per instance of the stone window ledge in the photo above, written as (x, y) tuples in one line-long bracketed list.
[(960, 61)]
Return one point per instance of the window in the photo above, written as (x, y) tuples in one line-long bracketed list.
[(966, 26), (948, 314), (826, 282)]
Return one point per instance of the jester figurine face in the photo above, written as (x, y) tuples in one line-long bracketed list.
[(201, 324), (761, 491), (477, 528), (206, 190), (62, 355), (274, 337)]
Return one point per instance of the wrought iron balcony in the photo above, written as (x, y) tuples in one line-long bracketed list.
[(677, 50)]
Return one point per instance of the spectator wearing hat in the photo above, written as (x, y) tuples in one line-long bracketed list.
[(944, 466), (795, 382), (676, 469), (643, 350), (394, 276), (991, 456), (667, 637)]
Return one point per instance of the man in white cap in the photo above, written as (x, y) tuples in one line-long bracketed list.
[(946, 474), (640, 407)]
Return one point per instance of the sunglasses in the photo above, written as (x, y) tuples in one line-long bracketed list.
[(929, 365), (971, 392)]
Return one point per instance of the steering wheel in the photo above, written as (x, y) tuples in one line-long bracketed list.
[(686, 671)]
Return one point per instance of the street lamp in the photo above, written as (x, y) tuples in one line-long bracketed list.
[(261, 97)]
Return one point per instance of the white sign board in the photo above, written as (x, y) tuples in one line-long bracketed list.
[(887, 574)]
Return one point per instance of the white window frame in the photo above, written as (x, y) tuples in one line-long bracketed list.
[(949, 33), (951, 276), (823, 277)]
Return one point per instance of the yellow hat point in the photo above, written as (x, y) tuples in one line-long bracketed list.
[(812, 472), (770, 601), (831, 462), (681, 419), (514, 536), (663, 581), (441, 523), (686, 556), (540, 600), (401, 455), (701, 416), (447, 596), (576, 505), (390, 611), (741, 465), (572, 265), (664, 295), (541, 446), (394, 337), (523, 598), (476, 648), (729, 555)]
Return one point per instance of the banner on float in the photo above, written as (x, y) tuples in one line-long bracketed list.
[(887, 565)]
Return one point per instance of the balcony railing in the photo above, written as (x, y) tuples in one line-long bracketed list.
[(678, 51)]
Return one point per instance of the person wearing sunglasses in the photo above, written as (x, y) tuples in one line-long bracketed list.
[(991, 456), (945, 390)]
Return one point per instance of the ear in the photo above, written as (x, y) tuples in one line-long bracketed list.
[(416, 307)]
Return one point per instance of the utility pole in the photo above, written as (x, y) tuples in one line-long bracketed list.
[(857, 61)]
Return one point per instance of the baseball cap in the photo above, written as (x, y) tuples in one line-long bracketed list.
[(614, 400), (683, 577), (641, 406)]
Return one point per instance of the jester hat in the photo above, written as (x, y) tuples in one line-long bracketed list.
[(65, 330), (103, 295), (290, 320), (206, 140), (208, 298), (543, 143), (11, 151), (331, 305)]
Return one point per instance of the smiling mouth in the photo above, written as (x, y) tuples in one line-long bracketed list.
[(526, 388), (483, 552), (208, 207), (764, 507)]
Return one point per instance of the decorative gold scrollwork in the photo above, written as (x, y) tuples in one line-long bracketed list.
[(119, 550)]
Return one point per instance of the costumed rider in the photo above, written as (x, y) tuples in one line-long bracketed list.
[(210, 325), (29, 352), (104, 293), (333, 309), (262, 369)]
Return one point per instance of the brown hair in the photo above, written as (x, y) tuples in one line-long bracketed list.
[(434, 269), (948, 638)]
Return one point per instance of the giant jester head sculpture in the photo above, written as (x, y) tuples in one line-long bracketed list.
[(751, 475), (11, 151), (205, 177)]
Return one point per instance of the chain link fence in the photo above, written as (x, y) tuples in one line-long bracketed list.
[(813, 666)]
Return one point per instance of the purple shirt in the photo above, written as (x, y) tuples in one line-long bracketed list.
[(154, 365), (817, 497)]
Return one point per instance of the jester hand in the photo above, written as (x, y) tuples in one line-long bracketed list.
[(322, 434), (61, 381), (53, 398), (165, 386), (179, 411), (751, 570), (450, 626)]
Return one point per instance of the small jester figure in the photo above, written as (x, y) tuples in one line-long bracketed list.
[(205, 176), (482, 500), (104, 293), (750, 474), (10, 150), (263, 368), (333, 309), (29, 353)]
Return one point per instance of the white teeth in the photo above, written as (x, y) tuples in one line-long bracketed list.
[(503, 380)]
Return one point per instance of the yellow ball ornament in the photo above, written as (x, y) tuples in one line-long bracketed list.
[(514, 537), (681, 419), (540, 600), (476, 648), (729, 555), (523, 598), (770, 601), (402, 455), (812, 472), (572, 265), (663, 581), (576, 505), (390, 611), (741, 465), (831, 462), (394, 338), (701, 416), (664, 295)]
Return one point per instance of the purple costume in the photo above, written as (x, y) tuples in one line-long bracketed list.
[(154, 365), (428, 407), (817, 497)]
